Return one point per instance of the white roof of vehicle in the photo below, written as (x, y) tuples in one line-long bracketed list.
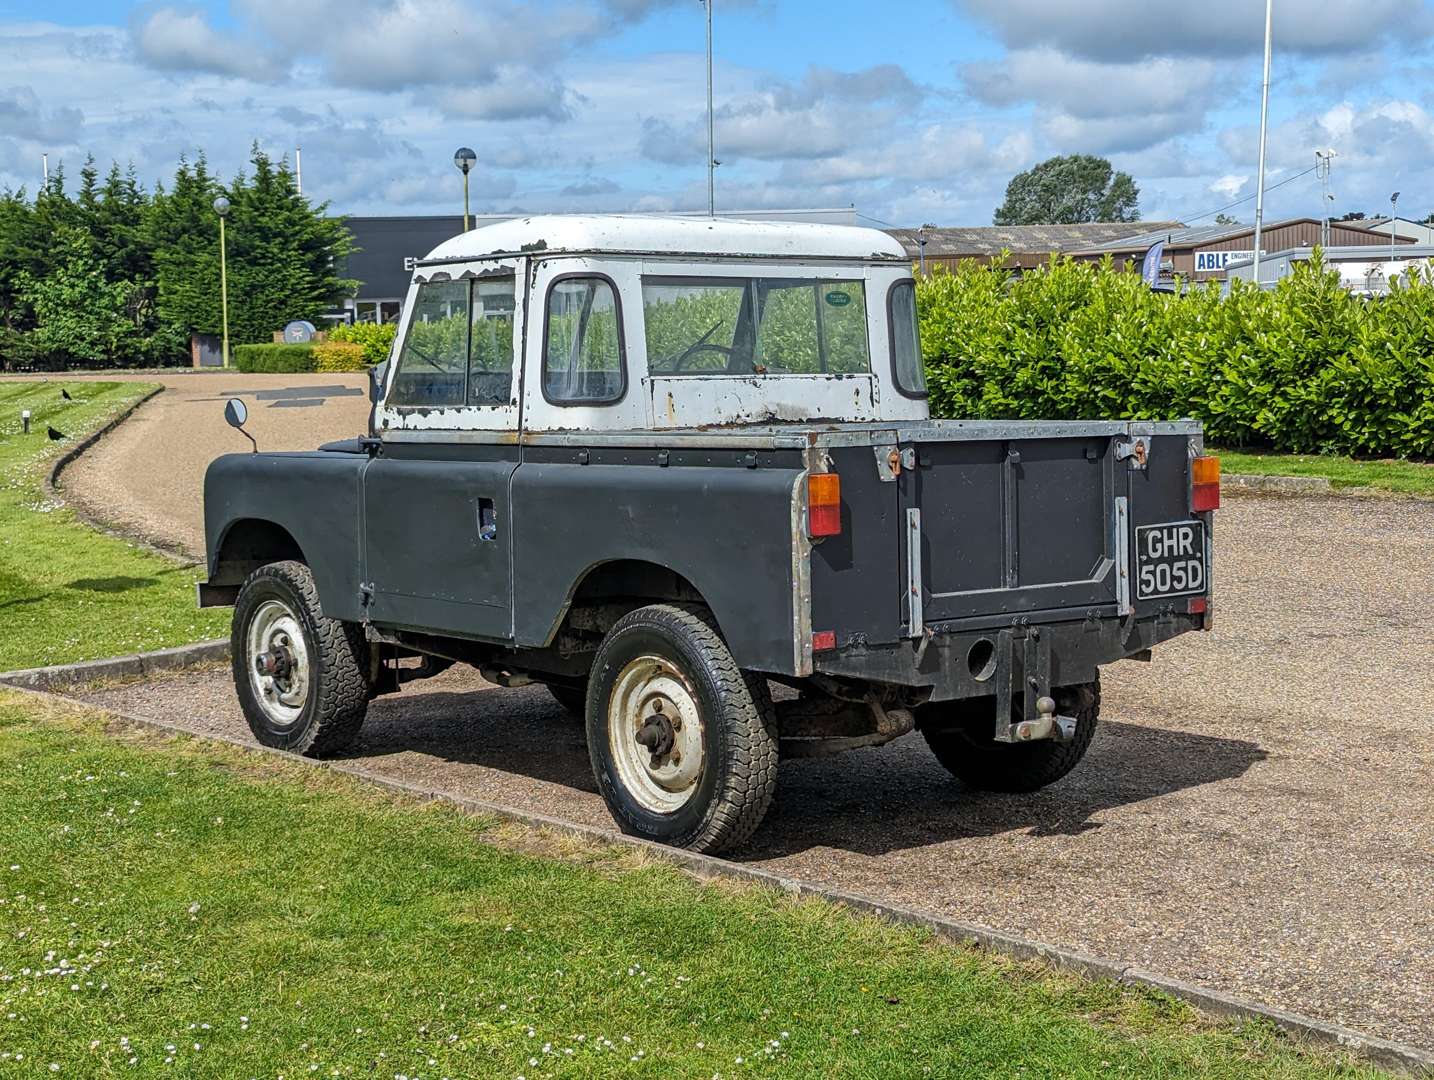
[(668, 235)]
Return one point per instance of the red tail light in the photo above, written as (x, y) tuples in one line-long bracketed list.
[(823, 640), (823, 504), (1204, 484)]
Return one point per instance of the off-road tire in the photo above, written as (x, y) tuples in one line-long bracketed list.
[(338, 692), (959, 734), (739, 775)]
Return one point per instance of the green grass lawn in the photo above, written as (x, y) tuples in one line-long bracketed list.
[(170, 907), (1405, 477), (68, 592)]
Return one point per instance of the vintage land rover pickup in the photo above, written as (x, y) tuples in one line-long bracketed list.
[(681, 472)]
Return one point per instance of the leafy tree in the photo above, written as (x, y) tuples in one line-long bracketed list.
[(182, 231), (282, 253), (1226, 219), (20, 248), (1353, 215), (1069, 191), (79, 315)]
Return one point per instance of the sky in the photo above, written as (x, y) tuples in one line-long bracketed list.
[(912, 112)]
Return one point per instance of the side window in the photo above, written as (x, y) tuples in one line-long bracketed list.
[(490, 359), (583, 361), (433, 366), (906, 361)]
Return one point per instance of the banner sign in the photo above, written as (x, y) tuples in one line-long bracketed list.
[(1150, 268)]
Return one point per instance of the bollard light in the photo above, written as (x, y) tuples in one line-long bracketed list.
[(25, 420)]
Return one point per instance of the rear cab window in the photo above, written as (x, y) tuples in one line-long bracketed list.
[(908, 368)]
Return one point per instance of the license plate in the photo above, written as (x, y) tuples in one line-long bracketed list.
[(1170, 560)]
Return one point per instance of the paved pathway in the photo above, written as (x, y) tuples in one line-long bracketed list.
[(147, 477), (1255, 814)]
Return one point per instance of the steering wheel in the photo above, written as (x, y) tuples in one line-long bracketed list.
[(701, 345)]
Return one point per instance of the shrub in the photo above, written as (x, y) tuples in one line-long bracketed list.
[(375, 338), (1306, 367), (274, 359), (339, 356)]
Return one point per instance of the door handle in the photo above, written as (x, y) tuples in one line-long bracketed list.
[(487, 520)]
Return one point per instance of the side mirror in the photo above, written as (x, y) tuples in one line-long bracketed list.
[(236, 414)]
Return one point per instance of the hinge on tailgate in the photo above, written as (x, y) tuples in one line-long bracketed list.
[(1136, 450)]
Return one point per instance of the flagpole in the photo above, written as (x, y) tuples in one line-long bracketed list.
[(1264, 123), (711, 160)]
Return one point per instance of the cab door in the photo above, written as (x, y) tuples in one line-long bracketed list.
[(437, 502)]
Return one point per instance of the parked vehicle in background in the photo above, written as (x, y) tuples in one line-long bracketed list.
[(664, 466)]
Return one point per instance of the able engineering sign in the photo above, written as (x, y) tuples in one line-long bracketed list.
[(1215, 261)]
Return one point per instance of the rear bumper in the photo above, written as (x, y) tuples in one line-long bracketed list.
[(982, 663)]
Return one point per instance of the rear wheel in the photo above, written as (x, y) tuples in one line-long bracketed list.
[(683, 743), (959, 734), (300, 677)]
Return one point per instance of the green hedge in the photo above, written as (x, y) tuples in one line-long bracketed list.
[(274, 359), (1306, 367), (376, 338)]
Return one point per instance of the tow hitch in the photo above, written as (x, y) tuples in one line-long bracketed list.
[(1046, 725), (1026, 671)]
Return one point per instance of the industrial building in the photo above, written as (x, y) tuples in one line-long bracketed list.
[(1024, 246), (1205, 252), (1363, 269)]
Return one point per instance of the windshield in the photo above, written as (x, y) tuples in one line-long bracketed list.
[(755, 326)]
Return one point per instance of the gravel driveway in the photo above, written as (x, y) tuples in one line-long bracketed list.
[(1256, 813), (146, 478)]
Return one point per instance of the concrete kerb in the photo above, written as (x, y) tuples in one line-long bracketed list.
[(118, 667), (1239, 483), (1385, 1053)]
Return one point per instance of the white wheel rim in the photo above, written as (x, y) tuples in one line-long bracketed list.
[(653, 690), (275, 631)]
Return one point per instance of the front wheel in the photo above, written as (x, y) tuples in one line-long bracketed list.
[(683, 743), (300, 677), (959, 734)]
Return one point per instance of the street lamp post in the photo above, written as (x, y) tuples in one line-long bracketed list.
[(464, 159), (221, 207), (1393, 233)]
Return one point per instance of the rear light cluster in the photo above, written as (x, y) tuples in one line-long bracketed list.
[(823, 504), (1204, 484)]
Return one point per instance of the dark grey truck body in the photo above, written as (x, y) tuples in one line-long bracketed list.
[(959, 540)]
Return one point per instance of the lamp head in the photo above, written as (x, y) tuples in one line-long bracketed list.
[(464, 159), (221, 206)]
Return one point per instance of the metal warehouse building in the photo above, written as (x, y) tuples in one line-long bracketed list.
[(1206, 251)]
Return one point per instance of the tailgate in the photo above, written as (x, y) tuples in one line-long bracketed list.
[(1011, 526), (983, 522), (1039, 524)]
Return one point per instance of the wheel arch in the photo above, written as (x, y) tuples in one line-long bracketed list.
[(630, 582), (247, 544)]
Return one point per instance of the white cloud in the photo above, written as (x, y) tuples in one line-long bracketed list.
[(179, 39), (1134, 29)]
